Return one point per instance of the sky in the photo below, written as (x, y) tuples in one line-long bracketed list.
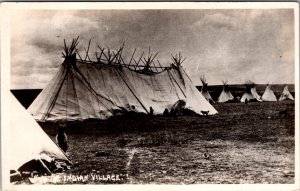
[(234, 45)]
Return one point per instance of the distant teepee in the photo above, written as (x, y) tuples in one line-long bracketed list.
[(225, 94), (204, 90), (286, 94), (268, 94), (250, 94)]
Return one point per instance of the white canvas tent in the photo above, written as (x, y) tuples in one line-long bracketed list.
[(84, 89), (268, 94), (225, 94), (28, 140), (204, 90), (286, 94), (251, 93)]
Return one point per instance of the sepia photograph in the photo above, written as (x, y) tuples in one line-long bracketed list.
[(97, 94)]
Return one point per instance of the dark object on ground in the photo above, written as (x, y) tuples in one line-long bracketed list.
[(15, 176), (173, 112), (207, 156), (283, 113), (63, 146), (205, 113), (166, 113), (34, 165), (151, 111), (122, 142), (61, 139), (42, 167), (103, 154)]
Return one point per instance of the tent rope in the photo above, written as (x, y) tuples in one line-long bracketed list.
[(96, 95), (177, 83), (90, 87), (173, 84), (88, 78), (75, 94), (103, 83), (67, 98), (132, 91), (52, 103)]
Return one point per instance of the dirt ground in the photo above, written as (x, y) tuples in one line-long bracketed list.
[(250, 143)]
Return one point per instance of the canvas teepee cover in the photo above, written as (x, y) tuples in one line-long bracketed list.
[(104, 88), (269, 94), (204, 90), (286, 94), (28, 140), (251, 93), (225, 94)]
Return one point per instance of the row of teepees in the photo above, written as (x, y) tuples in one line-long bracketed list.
[(250, 93)]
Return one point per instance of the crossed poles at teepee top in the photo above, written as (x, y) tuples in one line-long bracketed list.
[(115, 58)]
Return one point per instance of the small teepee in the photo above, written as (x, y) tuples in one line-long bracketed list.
[(251, 93), (204, 90), (269, 94), (225, 95), (286, 94)]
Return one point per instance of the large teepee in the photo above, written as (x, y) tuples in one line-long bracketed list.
[(286, 94), (28, 140), (204, 90), (251, 93), (268, 94), (225, 95), (84, 89)]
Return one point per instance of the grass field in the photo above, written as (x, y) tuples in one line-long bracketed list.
[(242, 144)]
